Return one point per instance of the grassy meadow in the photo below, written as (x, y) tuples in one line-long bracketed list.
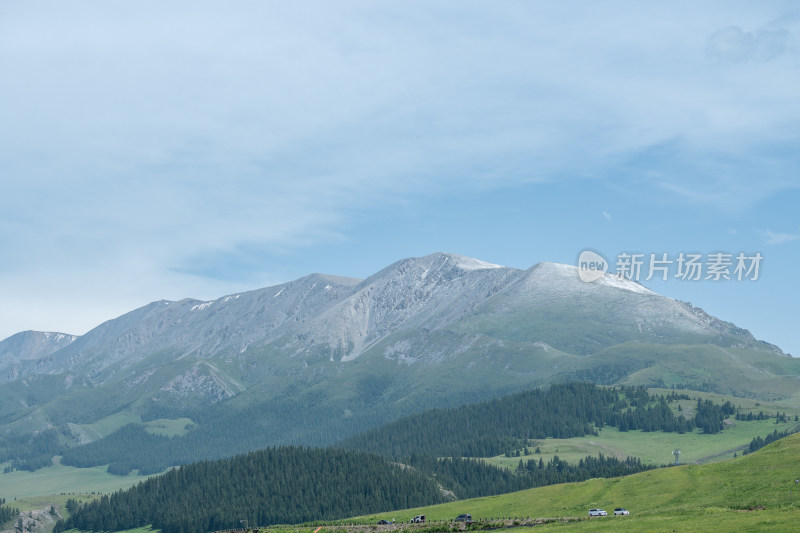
[(651, 447), (702, 497), (59, 479), (756, 492)]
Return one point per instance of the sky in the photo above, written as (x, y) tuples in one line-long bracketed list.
[(153, 150)]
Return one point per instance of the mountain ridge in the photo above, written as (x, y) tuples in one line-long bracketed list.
[(454, 261), (321, 357)]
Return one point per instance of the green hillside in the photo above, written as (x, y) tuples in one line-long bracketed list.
[(272, 486), (650, 447), (574, 420), (754, 492), (757, 492), (59, 479)]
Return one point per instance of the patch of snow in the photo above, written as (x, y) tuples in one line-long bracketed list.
[(58, 337), (200, 307), (279, 292), (468, 263), (561, 268), (609, 280), (328, 287), (612, 280)]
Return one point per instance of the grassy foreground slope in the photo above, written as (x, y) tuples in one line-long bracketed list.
[(756, 492)]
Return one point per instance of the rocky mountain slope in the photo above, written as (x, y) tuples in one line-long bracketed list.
[(29, 351), (324, 356)]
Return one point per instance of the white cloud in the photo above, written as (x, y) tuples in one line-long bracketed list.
[(606, 215), (152, 143), (779, 238), (735, 44)]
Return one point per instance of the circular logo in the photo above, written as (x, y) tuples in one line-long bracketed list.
[(591, 266)]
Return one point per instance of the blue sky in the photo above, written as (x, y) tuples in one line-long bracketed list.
[(195, 149)]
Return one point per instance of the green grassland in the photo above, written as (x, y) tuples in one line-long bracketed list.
[(656, 447), (789, 405), (737, 371), (59, 479), (651, 447), (169, 427), (104, 426), (756, 492), (31, 491), (53, 485)]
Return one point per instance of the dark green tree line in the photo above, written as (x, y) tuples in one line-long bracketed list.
[(472, 478), (276, 485), (561, 411), (32, 451), (7, 513), (759, 442)]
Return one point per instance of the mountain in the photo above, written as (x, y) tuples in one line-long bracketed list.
[(323, 357), (29, 350)]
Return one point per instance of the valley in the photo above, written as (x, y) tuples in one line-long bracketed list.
[(653, 447), (383, 365)]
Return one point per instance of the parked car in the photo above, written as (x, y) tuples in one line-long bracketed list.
[(621, 511), (597, 512), (418, 519), (464, 518), (383, 522)]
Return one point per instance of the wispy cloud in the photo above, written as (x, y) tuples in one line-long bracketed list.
[(770, 237), (735, 44), (177, 146)]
